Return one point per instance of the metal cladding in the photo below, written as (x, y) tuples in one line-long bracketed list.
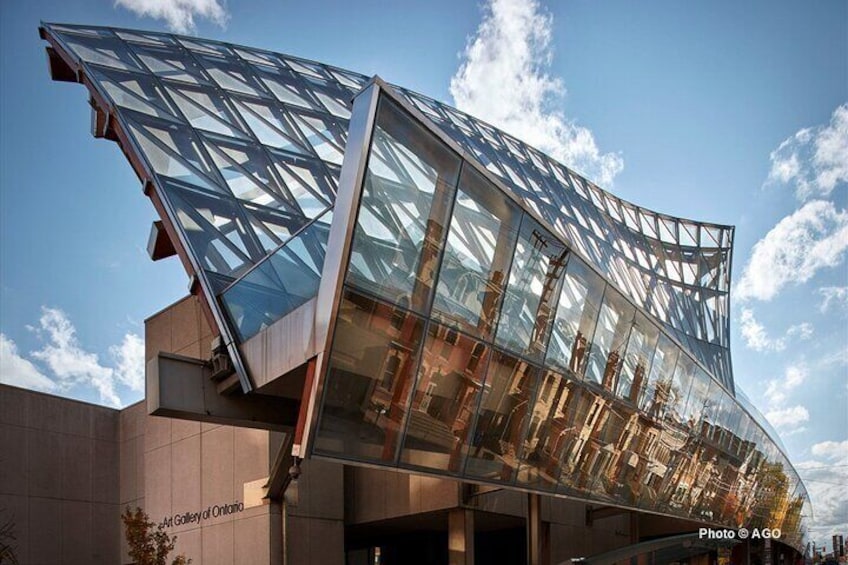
[(501, 318)]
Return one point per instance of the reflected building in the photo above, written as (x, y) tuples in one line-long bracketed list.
[(421, 292)]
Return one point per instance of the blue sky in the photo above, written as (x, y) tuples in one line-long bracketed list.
[(722, 111)]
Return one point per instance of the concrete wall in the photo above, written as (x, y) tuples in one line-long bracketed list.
[(180, 328), (176, 467), (314, 515), (189, 467), (59, 478)]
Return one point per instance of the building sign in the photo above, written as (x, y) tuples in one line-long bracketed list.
[(198, 516)]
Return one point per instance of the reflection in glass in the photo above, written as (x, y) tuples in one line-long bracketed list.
[(453, 368), (678, 392), (287, 279), (534, 283), (607, 346), (370, 372), (501, 424), (403, 210), (587, 413), (637, 360), (576, 314), (480, 245), (699, 397), (655, 397), (550, 432), (606, 464)]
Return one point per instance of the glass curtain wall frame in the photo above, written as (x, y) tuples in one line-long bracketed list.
[(482, 407)]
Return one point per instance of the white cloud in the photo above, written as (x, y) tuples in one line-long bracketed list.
[(788, 417), (777, 389), (129, 362), (757, 338), (809, 239), (825, 479), (69, 366), (814, 159), (17, 371), (753, 332), (179, 15), (68, 361), (831, 449), (504, 80), (833, 296)]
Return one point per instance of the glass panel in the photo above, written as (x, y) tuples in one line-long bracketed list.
[(637, 361), (453, 368), (503, 415), (674, 485), (102, 51), (287, 279), (213, 227), (577, 312), (679, 390), (403, 211), (699, 396), (534, 284), (655, 396), (654, 459), (479, 247), (605, 461), (205, 109), (606, 350), (370, 371), (585, 415), (549, 433)]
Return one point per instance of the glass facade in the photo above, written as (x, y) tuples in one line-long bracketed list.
[(535, 332), (533, 370)]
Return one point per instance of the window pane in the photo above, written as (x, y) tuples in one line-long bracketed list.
[(403, 210), (577, 312), (453, 368), (584, 415), (534, 283), (605, 461), (286, 280), (637, 360), (699, 395), (549, 433), (369, 377), (607, 347), (480, 245), (500, 426), (679, 390), (655, 395)]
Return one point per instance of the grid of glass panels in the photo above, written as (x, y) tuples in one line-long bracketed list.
[(245, 146), (471, 342), (287, 279)]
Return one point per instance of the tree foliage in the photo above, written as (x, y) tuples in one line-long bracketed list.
[(7, 541), (149, 544)]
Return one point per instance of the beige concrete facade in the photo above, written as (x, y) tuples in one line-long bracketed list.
[(59, 478)]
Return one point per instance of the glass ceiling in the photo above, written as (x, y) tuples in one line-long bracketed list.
[(246, 147)]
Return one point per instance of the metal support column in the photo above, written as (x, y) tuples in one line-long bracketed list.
[(461, 537), (536, 541)]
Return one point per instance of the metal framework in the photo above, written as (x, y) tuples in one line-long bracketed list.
[(247, 144)]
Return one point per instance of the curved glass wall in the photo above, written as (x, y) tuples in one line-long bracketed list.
[(472, 342)]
